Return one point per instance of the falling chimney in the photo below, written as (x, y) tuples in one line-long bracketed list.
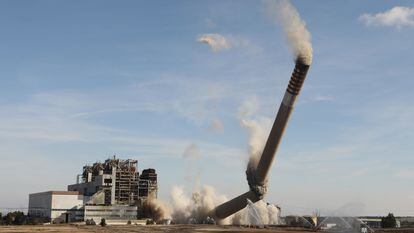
[(257, 178)]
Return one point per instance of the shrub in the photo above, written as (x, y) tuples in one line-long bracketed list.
[(103, 222), (90, 222)]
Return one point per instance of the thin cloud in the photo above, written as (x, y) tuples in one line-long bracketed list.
[(320, 98), (191, 151), (317, 99), (405, 174), (398, 17), (221, 43), (216, 41), (217, 126), (210, 23)]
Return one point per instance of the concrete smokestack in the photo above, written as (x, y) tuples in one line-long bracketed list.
[(234, 205), (257, 177), (285, 109)]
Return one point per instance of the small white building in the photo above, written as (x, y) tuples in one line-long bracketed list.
[(58, 206), (70, 206)]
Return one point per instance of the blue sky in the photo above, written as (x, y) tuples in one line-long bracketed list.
[(83, 80)]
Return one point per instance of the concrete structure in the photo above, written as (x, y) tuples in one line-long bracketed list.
[(117, 182), (113, 190), (147, 186), (58, 206)]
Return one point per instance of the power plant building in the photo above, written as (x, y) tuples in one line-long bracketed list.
[(58, 206), (113, 190)]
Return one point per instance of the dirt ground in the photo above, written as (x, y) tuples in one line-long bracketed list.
[(161, 228), (134, 228)]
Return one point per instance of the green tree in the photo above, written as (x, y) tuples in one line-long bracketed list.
[(389, 221), (19, 218), (8, 219), (14, 218)]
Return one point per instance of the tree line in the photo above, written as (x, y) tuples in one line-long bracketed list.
[(19, 218)]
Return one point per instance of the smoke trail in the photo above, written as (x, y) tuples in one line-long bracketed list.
[(192, 174), (258, 129), (294, 27)]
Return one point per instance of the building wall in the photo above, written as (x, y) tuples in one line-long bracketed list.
[(40, 204), (67, 204), (87, 189), (92, 187), (59, 206), (115, 212)]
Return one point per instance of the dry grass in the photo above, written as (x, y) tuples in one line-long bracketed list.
[(160, 228), (127, 229)]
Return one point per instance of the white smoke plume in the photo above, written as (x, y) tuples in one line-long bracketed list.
[(258, 129), (156, 209), (268, 214), (192, 155), (216, 41), (294, 27), (195, 208)]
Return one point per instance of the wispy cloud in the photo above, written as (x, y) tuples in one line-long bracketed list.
[(384, 129), (70, 117), (316, 99), (217, 126), (191, 151), (320, 98), (210, 23), (35, 129), (216, 41), (405, 174), (398, 17)]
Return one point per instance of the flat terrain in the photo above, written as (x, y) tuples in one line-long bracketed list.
[(161, 228), (134, 228)]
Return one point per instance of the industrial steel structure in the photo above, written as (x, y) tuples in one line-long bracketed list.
[(111, 190), (118, 181)]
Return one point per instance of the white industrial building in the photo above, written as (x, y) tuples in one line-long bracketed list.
[(70, 206), (58, 206)]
